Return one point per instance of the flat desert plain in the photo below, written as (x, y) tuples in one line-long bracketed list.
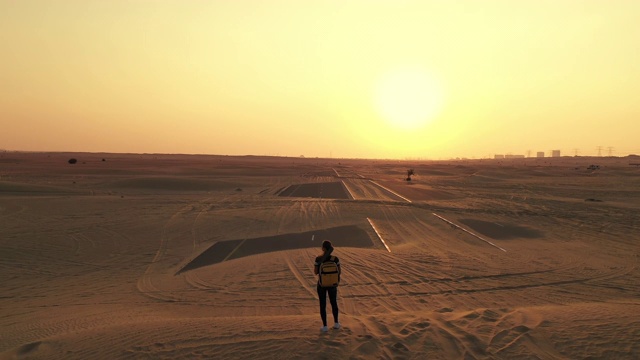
[(175, 256)]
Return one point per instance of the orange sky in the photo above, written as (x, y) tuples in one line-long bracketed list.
[(368, 78)]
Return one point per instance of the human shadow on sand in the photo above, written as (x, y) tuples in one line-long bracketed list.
[(341, 236)]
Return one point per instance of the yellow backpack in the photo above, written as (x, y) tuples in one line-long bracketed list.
[(329, 273)]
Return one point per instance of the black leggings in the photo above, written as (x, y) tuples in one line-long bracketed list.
[(333, 298)]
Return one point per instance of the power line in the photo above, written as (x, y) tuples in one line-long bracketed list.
[(599, 148), (610, 149)]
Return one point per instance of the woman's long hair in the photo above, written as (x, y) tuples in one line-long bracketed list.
[(328, 249)]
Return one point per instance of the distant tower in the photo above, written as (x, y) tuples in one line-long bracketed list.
[(610, 151), (575, 152), (528, 153), (599, 148)]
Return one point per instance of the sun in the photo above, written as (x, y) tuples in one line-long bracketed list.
[(408, 98)]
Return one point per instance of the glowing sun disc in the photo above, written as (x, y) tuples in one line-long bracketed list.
[(408, 98)]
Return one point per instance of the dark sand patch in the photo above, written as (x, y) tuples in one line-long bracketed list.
[(172, 184), (330, 190), (28, 348), (341, 236), (13, 188), (501, 231)]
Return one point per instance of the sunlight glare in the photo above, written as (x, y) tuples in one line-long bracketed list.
[(408, 98)]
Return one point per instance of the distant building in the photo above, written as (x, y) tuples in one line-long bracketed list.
[(555, 153), (540, 154), (498, 156), (514, 156)]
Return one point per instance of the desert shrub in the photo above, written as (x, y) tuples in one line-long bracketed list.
[(409, 173)]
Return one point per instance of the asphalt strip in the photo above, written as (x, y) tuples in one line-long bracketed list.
[(391, 191), (468, 232), (377, 233)]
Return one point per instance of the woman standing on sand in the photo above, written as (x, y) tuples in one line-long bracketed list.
[(326, 257)]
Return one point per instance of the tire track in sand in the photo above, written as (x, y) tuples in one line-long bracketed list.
[(145, 283), (296, 272)]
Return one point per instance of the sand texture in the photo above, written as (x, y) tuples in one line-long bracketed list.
[(127, 256)]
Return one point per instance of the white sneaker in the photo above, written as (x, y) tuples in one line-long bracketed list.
[(336, 326), (324, 329)]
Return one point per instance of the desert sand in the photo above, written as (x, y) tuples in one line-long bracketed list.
[(131, 256)]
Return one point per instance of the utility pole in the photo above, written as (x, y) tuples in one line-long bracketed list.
[(599, 148), (610, 150)]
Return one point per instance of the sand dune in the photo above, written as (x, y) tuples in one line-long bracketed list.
[(174, 256)]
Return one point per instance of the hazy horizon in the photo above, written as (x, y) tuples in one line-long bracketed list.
[(417, 158), (384, 79)]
